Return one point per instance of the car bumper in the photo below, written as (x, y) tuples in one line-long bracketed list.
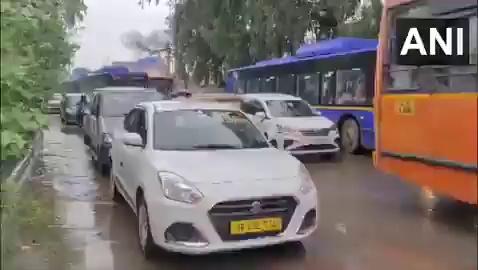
[(199, 216), (298, 144), (51, 109)]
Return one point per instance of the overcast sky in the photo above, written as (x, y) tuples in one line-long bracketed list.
[(106, 21)]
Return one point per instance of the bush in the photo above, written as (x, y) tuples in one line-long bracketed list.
[(35, 54)]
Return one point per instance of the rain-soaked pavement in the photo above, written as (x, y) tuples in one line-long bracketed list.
[(367, 221)]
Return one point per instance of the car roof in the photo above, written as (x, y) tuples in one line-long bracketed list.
[(177, 105), (115, 91), (123, 88), (220, 97), (271, 96)]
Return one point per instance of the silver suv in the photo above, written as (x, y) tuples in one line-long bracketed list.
[(106, 113)]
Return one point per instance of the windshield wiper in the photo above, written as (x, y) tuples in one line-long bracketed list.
[(216, 146)]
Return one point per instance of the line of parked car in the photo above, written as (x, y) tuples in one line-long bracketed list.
[(206, 176)]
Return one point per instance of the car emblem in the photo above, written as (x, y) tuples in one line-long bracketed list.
[(256, 207)]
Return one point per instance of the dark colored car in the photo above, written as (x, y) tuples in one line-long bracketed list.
[(71, 106), (106, 114), (52, 104), (181, 93)]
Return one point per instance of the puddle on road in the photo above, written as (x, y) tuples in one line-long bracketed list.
[(64, 182), (87, 231)]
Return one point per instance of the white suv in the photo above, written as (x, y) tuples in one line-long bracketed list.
[(201, 178), (289, 123)]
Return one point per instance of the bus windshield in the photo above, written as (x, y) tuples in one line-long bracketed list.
[(435, 78)]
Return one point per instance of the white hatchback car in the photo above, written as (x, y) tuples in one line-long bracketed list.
[(289, 123), (201, 178)]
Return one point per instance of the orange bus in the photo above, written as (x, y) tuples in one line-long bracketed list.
[(426, 116)]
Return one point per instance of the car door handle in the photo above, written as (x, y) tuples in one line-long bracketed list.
[(121, 163)]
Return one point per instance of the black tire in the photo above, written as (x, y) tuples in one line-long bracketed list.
[(105, 169), (86, 140), (147, 245), (335, 157), (350, 136)]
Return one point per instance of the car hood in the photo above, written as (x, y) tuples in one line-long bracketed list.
[(298, 123), (112, 124), (226, 166)]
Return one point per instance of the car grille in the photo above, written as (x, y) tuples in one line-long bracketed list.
[(315, 132), (315, 147), (224, 212)]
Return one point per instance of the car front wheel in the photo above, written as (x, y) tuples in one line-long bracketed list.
[(144, 231)]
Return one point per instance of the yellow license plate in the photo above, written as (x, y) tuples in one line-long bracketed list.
[(261, 225)]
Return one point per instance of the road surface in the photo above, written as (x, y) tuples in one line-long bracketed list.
[(367, 221)]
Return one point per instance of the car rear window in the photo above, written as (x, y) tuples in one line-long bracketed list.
[(119, 104)]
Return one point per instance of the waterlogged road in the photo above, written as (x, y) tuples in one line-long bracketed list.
[(367, 221)]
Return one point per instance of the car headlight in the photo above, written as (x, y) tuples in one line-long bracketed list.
[(333, 127), (107, 138), (284, 129), (306, 184), (178, 189)]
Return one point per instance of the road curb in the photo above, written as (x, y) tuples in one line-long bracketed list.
[(23, 169)]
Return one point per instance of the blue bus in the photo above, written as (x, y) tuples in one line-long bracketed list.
[(117, 76), (334, 76)]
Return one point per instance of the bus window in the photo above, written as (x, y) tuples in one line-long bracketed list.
[(287, 84), (269, 85), (434, 78), (253, 85), (328, 88), (309, 88), (351, 88)]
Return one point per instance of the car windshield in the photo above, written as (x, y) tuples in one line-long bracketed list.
[(205, 129), (289, 108), (118, 104)]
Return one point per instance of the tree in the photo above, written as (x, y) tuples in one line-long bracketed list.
[(35, 54), (215, 35), (368, 23)]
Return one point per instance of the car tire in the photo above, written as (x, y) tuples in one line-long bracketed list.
[(104, 169), (335, 157), (86, 140), (145, 237), (350, 136)]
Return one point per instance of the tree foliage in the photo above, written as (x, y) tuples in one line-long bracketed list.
[(368, 24), (214, 35), (35, 53)]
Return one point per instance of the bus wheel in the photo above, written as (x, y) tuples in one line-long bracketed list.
[(350, 136)]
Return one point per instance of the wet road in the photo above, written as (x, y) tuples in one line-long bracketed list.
[(367, 221)]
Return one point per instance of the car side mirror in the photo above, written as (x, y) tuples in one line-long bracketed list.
[(132, 139)]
